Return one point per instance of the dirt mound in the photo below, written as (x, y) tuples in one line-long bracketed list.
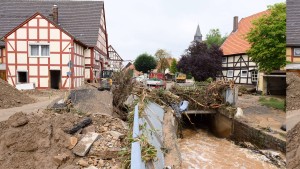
[(35, 143), (11, 97), (293, 147), (39, 141), (292, 91), (92, 101)]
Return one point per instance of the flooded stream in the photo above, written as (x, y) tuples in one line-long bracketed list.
[(202, 150)]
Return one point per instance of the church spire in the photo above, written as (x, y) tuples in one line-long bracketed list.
[(198, 35)]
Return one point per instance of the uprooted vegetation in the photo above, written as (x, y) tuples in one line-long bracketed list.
[(202, 96), (122, 88)]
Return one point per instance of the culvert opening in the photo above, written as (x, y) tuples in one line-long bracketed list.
[(216, 124), (197, 121)]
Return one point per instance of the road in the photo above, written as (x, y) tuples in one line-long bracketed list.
[(27, 108)]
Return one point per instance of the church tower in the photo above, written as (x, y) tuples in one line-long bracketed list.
[(198, 35)]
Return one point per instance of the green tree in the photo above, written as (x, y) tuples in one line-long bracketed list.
[(268, 39), (173, 67), (144, 63), (162, 61), (214, 37)]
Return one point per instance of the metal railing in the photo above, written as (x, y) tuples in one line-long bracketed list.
[(152, 119)]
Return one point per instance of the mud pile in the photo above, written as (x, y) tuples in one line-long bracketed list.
[(293, 147), (292, 91), (40, 141), (11, 97)]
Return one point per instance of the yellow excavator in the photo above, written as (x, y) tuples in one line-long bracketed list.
[(180, 77), (105, 80)]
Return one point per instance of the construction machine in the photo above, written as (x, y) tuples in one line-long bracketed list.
[(180, 77), (105, 80)]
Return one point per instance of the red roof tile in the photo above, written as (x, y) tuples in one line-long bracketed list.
[(236, 42)]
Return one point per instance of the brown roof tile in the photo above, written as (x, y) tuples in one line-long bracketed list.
[(236, 42)]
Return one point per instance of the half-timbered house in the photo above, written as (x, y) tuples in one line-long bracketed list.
[(115, 60), (236, 64), (52, 44), (293, 34)]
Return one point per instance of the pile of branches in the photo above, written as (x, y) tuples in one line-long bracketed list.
[(121, 89), (204, 96)]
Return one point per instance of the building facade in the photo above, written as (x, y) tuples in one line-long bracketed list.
[(51, 45), (236, 64)]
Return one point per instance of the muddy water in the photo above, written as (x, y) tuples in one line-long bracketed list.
[(201, 150)]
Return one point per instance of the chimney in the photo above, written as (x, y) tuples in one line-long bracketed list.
[(235, 23), (55, 13)]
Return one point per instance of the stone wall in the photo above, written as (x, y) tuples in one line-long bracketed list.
[(245, 133)]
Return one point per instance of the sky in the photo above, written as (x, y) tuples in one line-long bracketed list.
[(138, 26)]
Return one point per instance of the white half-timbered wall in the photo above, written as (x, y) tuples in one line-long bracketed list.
[(239, 68), (39, 30)]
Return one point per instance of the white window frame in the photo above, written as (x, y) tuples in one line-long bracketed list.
[(296, 50), (231, 73), (256, 78), (40, 49), (17, 71), (242, 73), (224, 59)]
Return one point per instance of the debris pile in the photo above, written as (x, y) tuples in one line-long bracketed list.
[(11, 97), (66, 140), (205, 96)]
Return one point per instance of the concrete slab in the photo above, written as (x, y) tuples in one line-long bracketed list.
[(84, 145), (25, 86)]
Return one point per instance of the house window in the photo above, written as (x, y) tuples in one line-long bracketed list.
[(22, 76), (254, 76), (296, 51), (39, 50), (244, 73), (230, 73), (224, 59)]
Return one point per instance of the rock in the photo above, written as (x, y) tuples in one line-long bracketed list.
[(19, 120), (87, 129), (103, 129), (73, 142), (60, 158), (83, 163), (95, 163), (84, 145), (91, 167), (240, 94), (239, 113), (71, 167), (101, 163), (131, 99), (116, 134), (105, 154)]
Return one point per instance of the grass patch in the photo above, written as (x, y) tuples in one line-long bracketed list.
[(272, 102)]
